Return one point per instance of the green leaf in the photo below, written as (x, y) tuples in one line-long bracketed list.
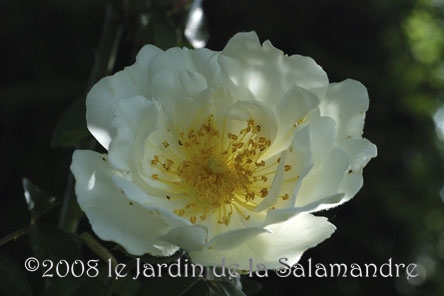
[(167, 286), (188, 286), (225, 288), (93, 285), (39, 202), (71, 127), (126, 286), (201, 288), (53, 245), (13, 279), (250, 287)]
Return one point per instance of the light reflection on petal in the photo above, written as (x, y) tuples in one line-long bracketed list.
[(92, 181)]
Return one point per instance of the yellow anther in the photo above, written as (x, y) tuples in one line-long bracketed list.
[(179, 212), (216, 177), (155, 160), (260, 164), (264, 192), (232, 136)]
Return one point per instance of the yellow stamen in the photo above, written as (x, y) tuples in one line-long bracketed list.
[(217, 172)]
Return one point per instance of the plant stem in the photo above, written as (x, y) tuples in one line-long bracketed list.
[(14, 235), (108, 44), (103, 65)]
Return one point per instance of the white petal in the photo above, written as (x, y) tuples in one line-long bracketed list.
[(307, 74), (325, 178), (164, 86), (185, 113), (232, 239), (133, 115), (192, 82), (241, 112), (170, 69), (275, 188), (191, 237), (155, 146), (139, 70), (158, 204), (289, 239), (305, 231), (176, 59), (111, 214), (264, 71), (280, 215), (101, 100), (292, 107), (295, 104), (322, 137), (360, 151), (346, 102), (299, 157)]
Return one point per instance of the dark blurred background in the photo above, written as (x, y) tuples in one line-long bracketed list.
[(394, 47)]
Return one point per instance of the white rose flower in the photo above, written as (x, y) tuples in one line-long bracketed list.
[(223, 154)]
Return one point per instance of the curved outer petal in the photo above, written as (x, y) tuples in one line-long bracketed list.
[(192, 237), (346, 102), (102, 99), (324, 179), (235, 238), (151, 203), (299, 155), (280, 215), (112, 215), (180, 72), (289, 239), (265, 72), (330, 163), (293, 107), (360, 151), (130, 115)]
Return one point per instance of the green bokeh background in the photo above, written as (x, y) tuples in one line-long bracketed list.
[(394, 47)]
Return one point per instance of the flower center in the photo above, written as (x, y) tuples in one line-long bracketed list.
[(220, 172)]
